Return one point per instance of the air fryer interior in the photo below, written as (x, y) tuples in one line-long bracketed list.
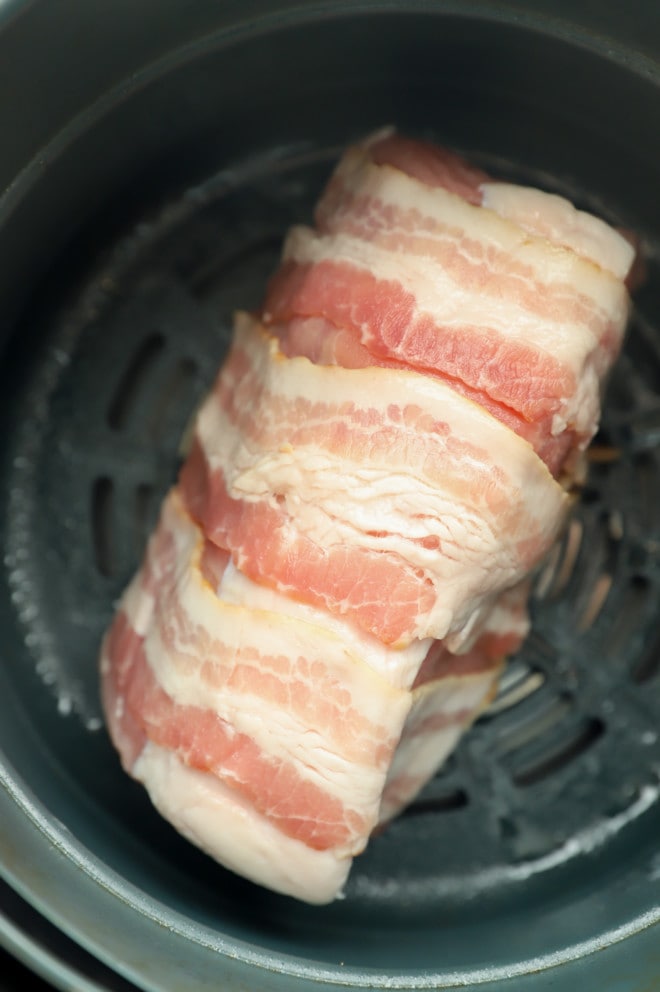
[(129, 242)]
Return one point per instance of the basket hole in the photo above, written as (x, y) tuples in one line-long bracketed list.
[(517, 683), (601, 453), (508, 827), (615, 526), (590, 495), (132, 381), (445, 803), (595, 602), (538, 718), (640, 585), (561, 564), (630, 617), (563, 755), (547, 572), (648, 665), (644, 430), (172, 398), (102, 515), (648, 512)]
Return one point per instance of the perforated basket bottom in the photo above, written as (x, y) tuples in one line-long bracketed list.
[(568, 756)]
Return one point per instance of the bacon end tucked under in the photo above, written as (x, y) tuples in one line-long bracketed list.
[(449, 693), (222, 823), (442, 710)]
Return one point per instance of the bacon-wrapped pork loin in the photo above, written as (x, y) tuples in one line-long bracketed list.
[(384, 459)]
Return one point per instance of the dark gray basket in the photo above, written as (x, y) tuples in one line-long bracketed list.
[(154, 156)]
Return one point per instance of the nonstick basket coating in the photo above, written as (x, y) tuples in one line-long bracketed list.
[(536, 846)]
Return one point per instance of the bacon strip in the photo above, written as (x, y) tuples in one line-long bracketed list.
[(423, 276), (333, 500), (547, 365), (543, 214), (550, 216), (324, 344), (211, 679)]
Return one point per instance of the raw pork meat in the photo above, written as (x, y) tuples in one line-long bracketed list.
[(345, 561)]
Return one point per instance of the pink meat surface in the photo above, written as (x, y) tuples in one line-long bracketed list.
[(345, 562)]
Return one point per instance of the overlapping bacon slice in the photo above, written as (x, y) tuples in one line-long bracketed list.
[(371, 492), (345, 562)]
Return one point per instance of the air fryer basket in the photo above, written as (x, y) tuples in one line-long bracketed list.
[(157, 154)]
